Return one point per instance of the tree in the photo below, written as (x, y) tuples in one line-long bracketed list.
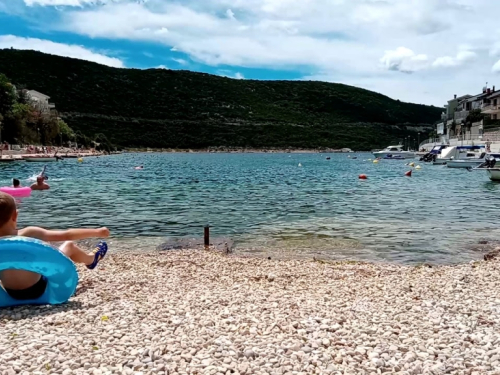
[(7, 95), (474, 116), (65, 132)]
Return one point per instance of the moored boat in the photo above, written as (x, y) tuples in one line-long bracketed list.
[(489, 166), (458, 153), (394, 152), (40, 159), (434, 153)]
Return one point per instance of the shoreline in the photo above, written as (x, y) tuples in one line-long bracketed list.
[(205, 312), (240, 150)]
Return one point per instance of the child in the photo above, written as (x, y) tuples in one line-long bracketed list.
[(25, 285)]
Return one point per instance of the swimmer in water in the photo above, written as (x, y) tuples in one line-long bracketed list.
[(15, 183), (139, 167), (40, 184)]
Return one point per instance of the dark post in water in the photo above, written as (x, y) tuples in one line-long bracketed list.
[(207, 235)]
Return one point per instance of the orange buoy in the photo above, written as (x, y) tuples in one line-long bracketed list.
[(362, 177), (408, 174)]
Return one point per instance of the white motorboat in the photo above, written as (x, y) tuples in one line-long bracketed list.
[(394, 152), (469, 159), (456, 153)]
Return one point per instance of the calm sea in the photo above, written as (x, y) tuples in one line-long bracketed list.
[(269, 205)]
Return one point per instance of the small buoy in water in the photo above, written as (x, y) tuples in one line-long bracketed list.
[(348, 156), (300, 165), (362, 177), (375, 161), (80, 160), (408, 174), (369, 159), (412, 164), (418, 167)]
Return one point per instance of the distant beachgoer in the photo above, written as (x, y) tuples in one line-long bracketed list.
[(40, 184), (16, 183), (140, 167)]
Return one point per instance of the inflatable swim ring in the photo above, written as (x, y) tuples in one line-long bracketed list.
[(23, 253), (17, 192)]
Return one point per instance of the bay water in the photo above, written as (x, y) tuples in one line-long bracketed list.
[(278, 205)]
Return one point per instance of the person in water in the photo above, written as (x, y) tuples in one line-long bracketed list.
[(40, 184), (25, 285), (16, 183)]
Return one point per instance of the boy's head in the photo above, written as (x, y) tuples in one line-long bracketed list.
[(15, 182), (40, 179), (8, 213)]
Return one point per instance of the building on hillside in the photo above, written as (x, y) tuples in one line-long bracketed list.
[(41, 101), (452, 123), (493, 107), (445, 127)]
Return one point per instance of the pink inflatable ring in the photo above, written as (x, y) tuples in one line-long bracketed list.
[(16, 192)]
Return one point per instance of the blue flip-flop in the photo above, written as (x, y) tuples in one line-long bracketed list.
[(99, 252)]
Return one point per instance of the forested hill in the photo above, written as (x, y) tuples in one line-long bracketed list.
[(182, 109)]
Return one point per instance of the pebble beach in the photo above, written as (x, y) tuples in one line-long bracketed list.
[(204, 312)]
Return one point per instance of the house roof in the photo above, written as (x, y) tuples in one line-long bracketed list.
[(460, 98), (36, 93), (494, 95)]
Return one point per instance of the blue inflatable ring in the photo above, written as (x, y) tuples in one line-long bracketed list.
[(29, 254)]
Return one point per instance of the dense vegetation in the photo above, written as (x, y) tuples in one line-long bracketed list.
[(24, 122), (181, 109)]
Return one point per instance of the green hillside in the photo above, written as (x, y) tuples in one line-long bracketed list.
[(182, 109)]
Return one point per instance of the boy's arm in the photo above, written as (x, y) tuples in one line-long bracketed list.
[(63, 235)]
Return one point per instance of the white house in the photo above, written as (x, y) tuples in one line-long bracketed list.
[(40, 101), (493, 107)]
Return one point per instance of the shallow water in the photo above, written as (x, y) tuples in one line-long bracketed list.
[(270, 205)]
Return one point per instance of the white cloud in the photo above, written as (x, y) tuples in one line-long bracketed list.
[(461, 58), (350, 40), (47, 46), (72, 3), (230, 14), (161, 67), (496, 67), (404, 60), (180, 61), (229, 74)]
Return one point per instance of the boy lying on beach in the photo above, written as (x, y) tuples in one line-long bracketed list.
[(25, 285)]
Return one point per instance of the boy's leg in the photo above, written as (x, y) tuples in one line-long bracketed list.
[(76, 254)]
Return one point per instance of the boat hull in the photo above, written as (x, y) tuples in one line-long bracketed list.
[(40, 160), (394, 155), (493, 174), (464, 163)]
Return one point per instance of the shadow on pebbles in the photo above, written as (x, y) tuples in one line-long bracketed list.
[(203, 312)]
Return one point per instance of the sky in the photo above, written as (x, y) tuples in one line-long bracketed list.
[(420, 51)]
